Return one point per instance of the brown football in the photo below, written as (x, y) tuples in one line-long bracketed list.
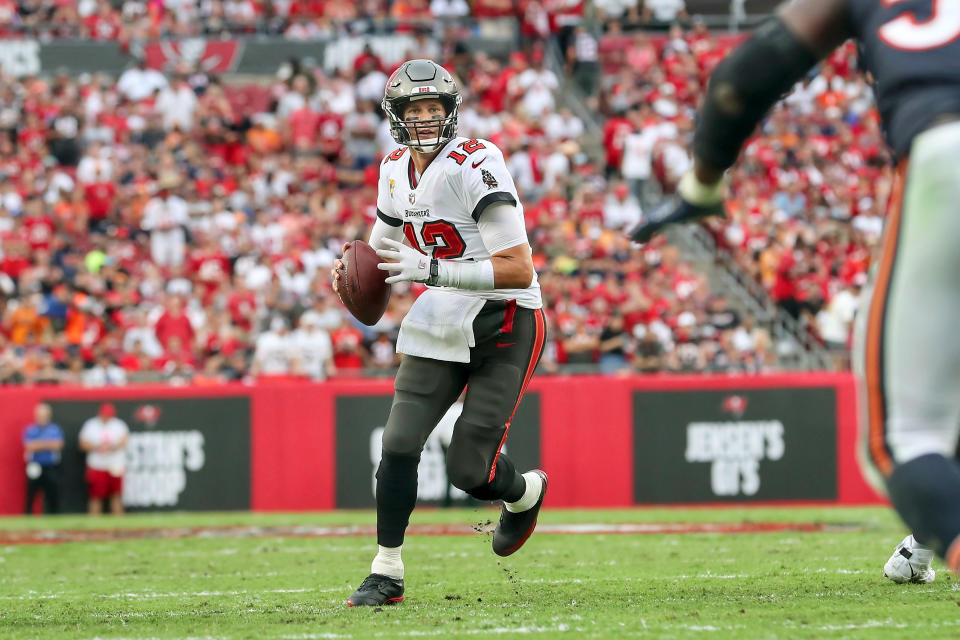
[(362, 288)]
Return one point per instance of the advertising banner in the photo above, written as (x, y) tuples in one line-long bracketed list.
[(183, 454), (737, 445), (359, 431)]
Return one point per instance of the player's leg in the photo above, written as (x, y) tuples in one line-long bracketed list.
[(51, 490), (423, 391), (96, 491), (501, 370), (909, 355), (33, 484)]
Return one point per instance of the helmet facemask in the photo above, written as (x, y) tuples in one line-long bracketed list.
[(410, 133)]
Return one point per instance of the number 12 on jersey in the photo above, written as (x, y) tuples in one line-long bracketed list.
[(442, 236)]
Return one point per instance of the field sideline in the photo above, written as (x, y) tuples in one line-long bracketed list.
[(281, 581)]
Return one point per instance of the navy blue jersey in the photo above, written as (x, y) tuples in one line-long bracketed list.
[(912, 50)]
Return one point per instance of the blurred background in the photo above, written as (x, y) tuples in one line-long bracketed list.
[(177, 176)]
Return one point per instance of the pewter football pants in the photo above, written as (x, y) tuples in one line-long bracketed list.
[(509, 342)]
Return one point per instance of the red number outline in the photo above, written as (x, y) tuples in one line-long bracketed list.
[(396, 155), (469, 146), (454, 246)]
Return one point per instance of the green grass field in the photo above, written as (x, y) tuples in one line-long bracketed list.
[(767, 585)]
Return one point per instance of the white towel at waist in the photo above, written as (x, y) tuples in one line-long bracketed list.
[(439, 325)]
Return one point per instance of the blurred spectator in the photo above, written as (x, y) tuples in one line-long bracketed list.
[(536, 86), (383, 353), (614, 343), (177, 102), (313, 349), (140, 82), (42, 444), (583, 61), (649, 352), (104, 373), (835, 320), (581, 345), (104, 437), (664, 12), (349, 356), (164, 218), (621, 210), (274, 350), (173, 325), (449, 8)]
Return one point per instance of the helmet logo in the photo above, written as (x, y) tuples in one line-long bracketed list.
[(427, 89)]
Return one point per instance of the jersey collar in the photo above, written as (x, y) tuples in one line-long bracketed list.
[(412, 171)]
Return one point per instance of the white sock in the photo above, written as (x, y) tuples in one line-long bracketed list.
[(921, 554), (530, 495), (388, 562)]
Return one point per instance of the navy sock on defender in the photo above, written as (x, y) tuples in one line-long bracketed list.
[(396, 497), (507, 485), (926, 494)]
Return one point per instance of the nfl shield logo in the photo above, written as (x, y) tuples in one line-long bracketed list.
[(411, 197)]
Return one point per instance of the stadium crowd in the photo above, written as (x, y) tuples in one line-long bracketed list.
[(132, 20), (806, 202), (173, 227)]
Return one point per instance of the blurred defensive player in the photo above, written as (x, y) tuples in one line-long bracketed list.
[(478, 325), (906, 351)]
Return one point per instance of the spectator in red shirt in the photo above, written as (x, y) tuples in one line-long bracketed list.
[(99, 198), (348, 352), (174, 323)]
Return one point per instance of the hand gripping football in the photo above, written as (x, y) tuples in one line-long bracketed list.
[(362, 288)]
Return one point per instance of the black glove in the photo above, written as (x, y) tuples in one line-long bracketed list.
[(693, 202)]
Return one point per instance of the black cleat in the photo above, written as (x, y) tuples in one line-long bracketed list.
[(670, 212), (377, 590), (514, 528)]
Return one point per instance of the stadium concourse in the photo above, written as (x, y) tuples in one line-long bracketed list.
[(180, 226)]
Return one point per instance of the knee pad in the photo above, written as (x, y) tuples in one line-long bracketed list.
[(467, 468)]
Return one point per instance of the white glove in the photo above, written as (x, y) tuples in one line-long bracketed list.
[(409, 263)]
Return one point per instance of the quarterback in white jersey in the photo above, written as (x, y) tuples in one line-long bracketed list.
[(464, 207), (479, 325)]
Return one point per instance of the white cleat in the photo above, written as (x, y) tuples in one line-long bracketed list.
[(910, 562)]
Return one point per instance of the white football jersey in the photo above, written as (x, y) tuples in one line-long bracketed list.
[(439, 210)]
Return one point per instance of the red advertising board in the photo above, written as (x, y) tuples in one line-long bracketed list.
[(589, 430)]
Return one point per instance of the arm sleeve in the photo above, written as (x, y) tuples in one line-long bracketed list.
[(743, 88), (486, 179), (383, 229), (502, 227)]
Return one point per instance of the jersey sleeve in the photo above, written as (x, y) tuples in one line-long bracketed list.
[(485, 178), (385, 209)]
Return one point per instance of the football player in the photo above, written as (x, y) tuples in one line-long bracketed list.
[(478, 325), (906, 351)]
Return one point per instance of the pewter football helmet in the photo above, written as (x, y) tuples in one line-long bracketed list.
[(414, 80)]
